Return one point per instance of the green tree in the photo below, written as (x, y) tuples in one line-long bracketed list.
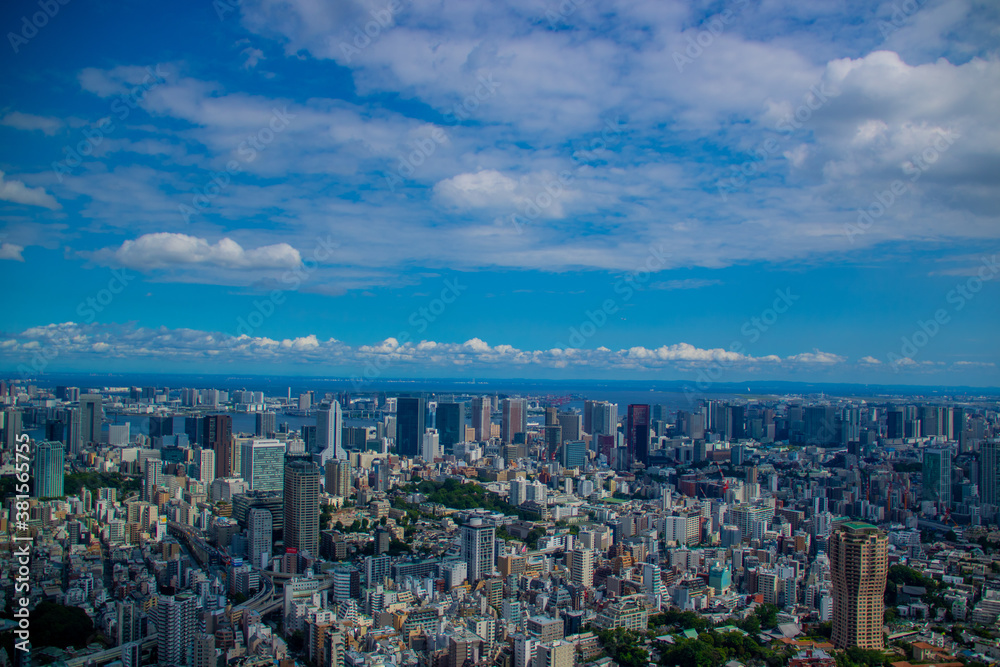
[(623, 647), (61, 626)]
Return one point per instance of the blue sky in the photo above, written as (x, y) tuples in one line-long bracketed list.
[(758, 190)]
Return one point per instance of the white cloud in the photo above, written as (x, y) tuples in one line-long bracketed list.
[(11, 251), (165, 249), (19, 193), (188, 345), (27, 121)]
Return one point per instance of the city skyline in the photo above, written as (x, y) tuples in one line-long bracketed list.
[(562, 190)]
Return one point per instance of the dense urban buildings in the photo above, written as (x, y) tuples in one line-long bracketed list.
[(369, 528)]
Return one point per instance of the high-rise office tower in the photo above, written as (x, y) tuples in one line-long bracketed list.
[(11, 428), (74, 437), (217, 435), (553, 439), (49, 469), (194, 429), (958, 425), (449, 418), (514, 418), (54, 430), (206, 466), (589, 407), (329, 431), (735, 422), (574, 454), (430, 447), (571, 425), (989, 472), (478, 549), (894, 424), (260, 533), (261, 462), (338, 478), (637, 434), (160, 426), (604, 420), (266, 424), (937, 476), (859, 555), (409, 425), (301, 490), (175, 629), (91, 417), (482, 412)]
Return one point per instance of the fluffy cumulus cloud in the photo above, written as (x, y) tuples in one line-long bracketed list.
[(73, 342), (166, 250)]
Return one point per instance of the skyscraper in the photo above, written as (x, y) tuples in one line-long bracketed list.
[(329, 431), (637, 434), (260, 533), (49, 469), (301, 490), (206, 466), (266, 424), (409, 425), (989, 472), (449, 418), (937, 476), (11, 428), (91, 417), (74, 437), (160, 426), (514, 418), (478, 548), (482, 412), (217, 435), (858, 565), (261, 462), (894, 424)]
